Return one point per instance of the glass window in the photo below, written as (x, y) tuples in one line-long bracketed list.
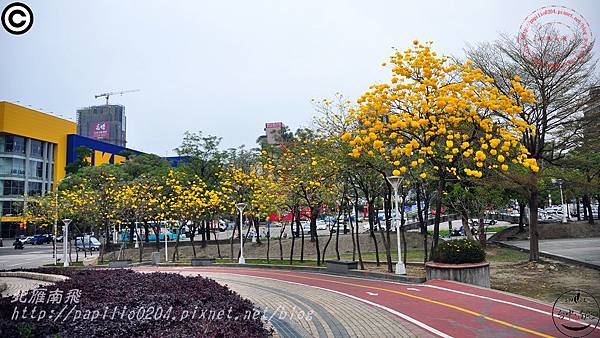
[(12, 167), (13, 188), (37, 148), (50, 172), (36, 169), (12, 208), (12, 144), (35, 188)]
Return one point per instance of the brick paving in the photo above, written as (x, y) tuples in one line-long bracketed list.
[(15, 285), (331, 314)]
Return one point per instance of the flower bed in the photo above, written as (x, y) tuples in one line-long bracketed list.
[(460, 260), (127, 303)]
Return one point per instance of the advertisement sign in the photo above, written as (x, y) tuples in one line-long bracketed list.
[(273, 125), (99, 130)]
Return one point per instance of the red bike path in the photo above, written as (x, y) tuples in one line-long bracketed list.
[(439, 308)]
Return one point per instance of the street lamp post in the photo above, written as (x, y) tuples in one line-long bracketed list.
[(395, 181), (562, 203), (54, 253), (66, 221), (241, 207)]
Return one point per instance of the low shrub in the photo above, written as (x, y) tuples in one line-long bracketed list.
[(459, 251), (190, 307)]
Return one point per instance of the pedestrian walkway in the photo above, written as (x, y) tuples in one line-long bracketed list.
[(585, 250), (15, 285)]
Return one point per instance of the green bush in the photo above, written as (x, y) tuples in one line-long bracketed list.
[(459, 251)]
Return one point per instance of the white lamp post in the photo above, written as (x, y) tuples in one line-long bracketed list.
[(66, 221), (241, 207), (54, 253), (562, 203), (395, 182)]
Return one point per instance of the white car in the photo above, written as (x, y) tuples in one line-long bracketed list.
[(321, 225)]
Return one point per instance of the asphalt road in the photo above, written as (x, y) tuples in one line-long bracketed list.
[(435, 308), (31, 256), (581, 249)]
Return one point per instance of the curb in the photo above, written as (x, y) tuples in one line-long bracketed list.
[(323, 270), (551, 256), (34, 275)]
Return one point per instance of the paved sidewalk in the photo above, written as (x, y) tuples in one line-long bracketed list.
[(580, 249), (17, 285)]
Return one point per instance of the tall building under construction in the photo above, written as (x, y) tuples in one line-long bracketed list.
[(106, 123)]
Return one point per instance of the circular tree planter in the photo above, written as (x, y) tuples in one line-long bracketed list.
[(470, 273)]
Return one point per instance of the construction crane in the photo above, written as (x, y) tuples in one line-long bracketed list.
[(107, 95)]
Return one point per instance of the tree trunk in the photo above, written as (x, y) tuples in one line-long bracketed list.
[(370, 214), (387, 205), (192, 235), (146, 230), (349, 215), (598, 199), (202, 227), (360, 260), (299, 226), (464, 217), (482, 235), (268, 240), (176, 251), (327, 244), (256, 227), (131, 232), (521, 217), (438, 212), (314, 214), (422, 221), (534, 249), (293, 236), (235, 226), (578, 210), (337, 234), (281, 245)]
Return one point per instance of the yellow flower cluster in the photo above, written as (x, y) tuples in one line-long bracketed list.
[(439, 116)]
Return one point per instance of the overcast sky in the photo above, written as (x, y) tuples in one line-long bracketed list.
[(227, 67)]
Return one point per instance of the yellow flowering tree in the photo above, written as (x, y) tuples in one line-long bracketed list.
[(440, 120)]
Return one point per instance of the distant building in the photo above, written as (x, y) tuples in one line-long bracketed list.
[(274, 132), (105, 123), (33, 156)]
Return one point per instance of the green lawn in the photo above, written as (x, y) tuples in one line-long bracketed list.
[(493, 254), (445, 232), (272, 262)]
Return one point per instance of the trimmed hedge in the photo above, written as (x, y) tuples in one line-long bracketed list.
[(458, 251), (126, 289)]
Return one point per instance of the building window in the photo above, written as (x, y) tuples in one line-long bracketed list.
[(37, 148), (12, 208), (35, 188), (36, 169), (12, 144), (50, 172), (13, 188), (12, 167)]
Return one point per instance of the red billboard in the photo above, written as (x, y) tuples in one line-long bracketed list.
[(272, 125), (100, 130)]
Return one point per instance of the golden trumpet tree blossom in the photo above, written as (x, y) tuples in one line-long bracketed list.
[(438, 118)]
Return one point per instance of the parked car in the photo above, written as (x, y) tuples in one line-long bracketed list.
[(87, 243), (28, 240), (59, 239), (39, 240), (321, 225)]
